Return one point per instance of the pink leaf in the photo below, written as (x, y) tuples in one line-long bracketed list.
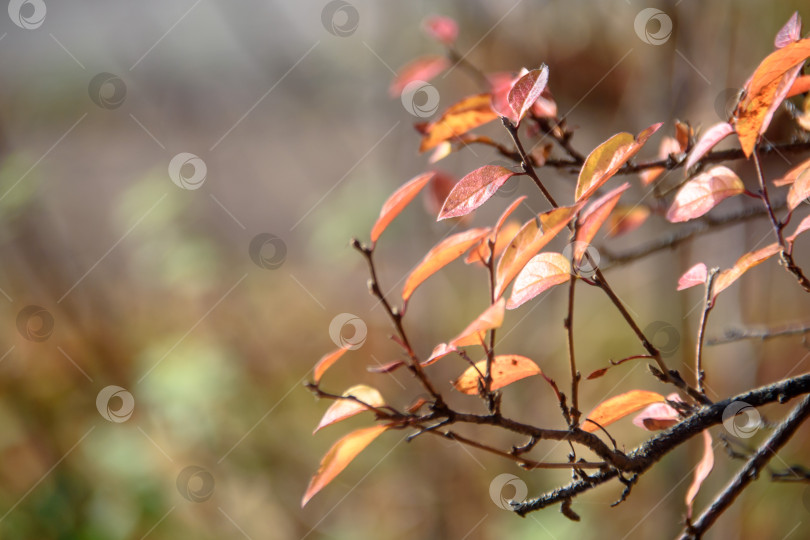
[(703, 469), (423, 68), (658, 415), (696, 275), (442, 29), (789, 33), (346, 408), (800, 189), (541, 273), (474, 190), (703, 192), (527, 90), (803, 226), (709, 140)]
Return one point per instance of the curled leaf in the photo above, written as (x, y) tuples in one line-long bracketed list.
[(803, 226), (541, 273), (346, 408), (506, 369), (474, 190), (669, 146), (618, 407), (467, 114), (526, 91), (440, 256), (790, 33), (397, 202), (339, 456), (707, 141), (701, 472), (421, 69), (703, 192), (799, 190), (743, 264), (326, 362), (593, 218), (697, 275), (659, 415), (474, 334)]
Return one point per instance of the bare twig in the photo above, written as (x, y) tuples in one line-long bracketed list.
[(708, 304)]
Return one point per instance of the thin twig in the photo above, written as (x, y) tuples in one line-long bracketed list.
[(708, 304)]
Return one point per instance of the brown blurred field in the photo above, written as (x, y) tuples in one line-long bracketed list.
[(151, 287)]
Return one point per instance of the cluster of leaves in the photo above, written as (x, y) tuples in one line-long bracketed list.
[(515, 254)]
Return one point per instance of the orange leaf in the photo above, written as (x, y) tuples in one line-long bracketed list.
[(506, 369), (803, 226), (440, 256), (669, 145), (474, 190), (492, 317), (625, 219), (467, 114), (800, 86), (339, 456), (528, 242), (541, 273), (508, 212), (480, 253), (421, 69), (346, 408), (793, 174), (607, 158), (618, 407), (439, 351), (697, 275), (683, 133), (743, 264), (709, 140), (326, 362), (799, 190), (397, 202), (703, 469), (703, 192), (527, 90), (592, 218)]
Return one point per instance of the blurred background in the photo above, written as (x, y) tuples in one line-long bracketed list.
[(178, 184)]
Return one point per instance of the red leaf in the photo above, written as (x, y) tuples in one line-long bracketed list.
[(593, 218), (803, 226), (799, 190), (506, 369), (607, 158), (528, 242), (790, 33), (467, 114), (397, 202), (326, 362), (618, 407), (709, 140), (442, 29), (625, 219), (743, 264), (339, 456), (388, 367), (441, 255), (766, 89), (683, 133), (421, 69), (659, 415), (697, 275), (541, 273), (527, 90), (703, 469), (346, 408), (474, 190), (703, 192)]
